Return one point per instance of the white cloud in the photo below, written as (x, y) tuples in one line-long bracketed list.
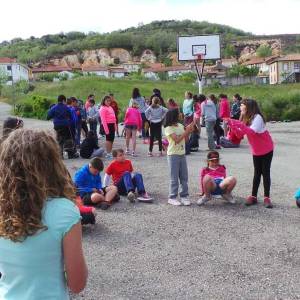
[(32, 17)]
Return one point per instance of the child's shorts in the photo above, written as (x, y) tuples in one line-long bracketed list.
[(86, 198), (218, 190)]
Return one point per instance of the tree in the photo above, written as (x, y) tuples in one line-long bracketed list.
[(264, 50), (3, 79), (229, 51)]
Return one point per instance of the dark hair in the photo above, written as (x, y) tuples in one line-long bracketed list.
[(97, 163), (111, 94), (116, 151), (61, 98), (104, 99), (92, 101), (135, 93), (222, 96), (10, 124), (69, 101), (73, 99), (172, 117), (237, 96), (202, 97), (213, 98), (252, 109), (156, 92), (213, 154), (91, 95)]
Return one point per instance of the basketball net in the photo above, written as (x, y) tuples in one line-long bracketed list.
[(199, 58)]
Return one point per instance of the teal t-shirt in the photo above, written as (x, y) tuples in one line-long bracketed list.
[(34, 269)]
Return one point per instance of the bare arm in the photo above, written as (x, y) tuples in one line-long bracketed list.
[(75, 266)]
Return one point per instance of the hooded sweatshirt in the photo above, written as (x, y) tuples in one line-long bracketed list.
[(209, 111), (156, 114)]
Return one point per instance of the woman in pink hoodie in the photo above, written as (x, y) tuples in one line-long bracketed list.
[(224, 111), (133, 123), (253, 125), (108, 120)]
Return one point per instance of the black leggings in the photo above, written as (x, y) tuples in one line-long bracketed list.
[(262, 166), (155, 132)]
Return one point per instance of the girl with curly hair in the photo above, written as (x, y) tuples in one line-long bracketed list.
[(40, 231)]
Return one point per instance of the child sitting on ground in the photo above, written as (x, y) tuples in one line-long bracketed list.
[(88, 183), (231, 141), (124, 179), (89, 147), (87, 213), (213, 180)]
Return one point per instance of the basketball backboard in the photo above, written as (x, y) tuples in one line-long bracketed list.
[(191, 47)]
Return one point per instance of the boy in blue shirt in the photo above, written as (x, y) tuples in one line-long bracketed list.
[(88, 183)]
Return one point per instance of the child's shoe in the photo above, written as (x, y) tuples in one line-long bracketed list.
[(229, 198), (133, 154), (185, 201), (127, 151), (174, 202), (131, 197), (104, 205), (251, 200), (267, 202), (150, 154), (203, 200), (218, 147), (145, 198)]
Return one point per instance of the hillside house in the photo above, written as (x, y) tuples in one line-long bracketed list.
[(13, 70), (37, 72), (131, 66), (284, 69), (117, 72), (96, 70), (172, 71), (229, 62)]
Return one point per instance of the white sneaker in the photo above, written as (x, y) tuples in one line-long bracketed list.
[(185, 201), (131, 197), (174, 202), (203, 200), (145, 198), (229, 198)]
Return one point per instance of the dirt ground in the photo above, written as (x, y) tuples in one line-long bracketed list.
[(217, 251)]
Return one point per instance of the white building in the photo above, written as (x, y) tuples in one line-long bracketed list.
[(13, 71), (131, 66), (96, 70), (172, 71)]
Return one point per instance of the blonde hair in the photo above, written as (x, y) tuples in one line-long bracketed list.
[(31, 170)]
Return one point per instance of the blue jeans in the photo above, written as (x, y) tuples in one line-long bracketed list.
[(129, 182)]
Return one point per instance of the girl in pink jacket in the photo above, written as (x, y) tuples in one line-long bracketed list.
[(108, 121), (254, 126), (133, 123), (224, 112)]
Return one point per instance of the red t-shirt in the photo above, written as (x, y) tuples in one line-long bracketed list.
[(116, 169)]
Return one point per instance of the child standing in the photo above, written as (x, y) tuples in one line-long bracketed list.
[(92, 116), (188, 108), (254, 126), (176, 136), (124, 179), (155, 114), (224, 111), (209, 113), (133, 122), (213, 180)]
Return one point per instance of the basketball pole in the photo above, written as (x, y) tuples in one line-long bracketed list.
[(199, 75)]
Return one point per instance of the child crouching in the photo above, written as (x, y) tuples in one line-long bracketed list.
[(213, 180)]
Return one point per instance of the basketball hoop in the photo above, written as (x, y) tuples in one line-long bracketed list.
[(199, 57)]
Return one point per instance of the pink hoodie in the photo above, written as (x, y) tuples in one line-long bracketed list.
[(219, 172), (224, 108), (133, 117), (107, 116), (260, 143)]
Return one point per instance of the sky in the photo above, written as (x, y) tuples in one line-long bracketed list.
[(25, 18)]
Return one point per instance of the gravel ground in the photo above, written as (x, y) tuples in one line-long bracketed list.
[(218, 251)]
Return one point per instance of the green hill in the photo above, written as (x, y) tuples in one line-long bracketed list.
[(159, 36)]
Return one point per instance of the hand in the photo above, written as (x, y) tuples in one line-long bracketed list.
[(190, 128)]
